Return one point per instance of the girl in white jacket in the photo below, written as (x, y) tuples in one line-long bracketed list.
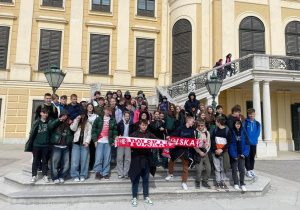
[(80, 151)]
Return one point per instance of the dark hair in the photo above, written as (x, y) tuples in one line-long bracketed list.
[(239, 122), (219, 107), (97, 93), (128, 103), (171, 113), (64, 97), (122, 99), (143, 122), (156, 111), (101, 99), (200, 122), (45, 110), (161, 112), (236, 108), (227, 56), (126, 112), (47, 94), (54, 96), (74, 95), (91, 105), (115, 93), (120, 92), (220, 60), (107, 107), (221, 120), (250, 111)]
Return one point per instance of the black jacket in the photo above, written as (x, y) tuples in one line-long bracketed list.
[(53, 113), (121, 128), (155, 128), (191, 103), (231, 122)]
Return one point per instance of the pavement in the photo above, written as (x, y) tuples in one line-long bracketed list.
[(283, 193)]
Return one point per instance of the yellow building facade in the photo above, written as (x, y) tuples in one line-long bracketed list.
[(140, 50)]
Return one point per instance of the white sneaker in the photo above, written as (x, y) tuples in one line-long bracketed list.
[(61, 180), (236, 187), (56, 181), (82, 179), (170, 176), (184, 186), (253, 174), (148, 201), (249, 174), (76, 180), (244, 189), (33, 179), (46, 180), (134, 202)]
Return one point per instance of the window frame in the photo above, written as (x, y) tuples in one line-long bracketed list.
[(6, 61), (62, 4), (144, 12), (294, 34), (137, 56), (92, 9)]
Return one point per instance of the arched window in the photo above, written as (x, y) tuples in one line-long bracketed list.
[(182, 50), (252, 36), (292, 38)]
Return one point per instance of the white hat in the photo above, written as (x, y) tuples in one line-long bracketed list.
[(83, 100)]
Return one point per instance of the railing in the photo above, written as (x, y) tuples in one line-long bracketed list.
[(198, 81), (284, 63)]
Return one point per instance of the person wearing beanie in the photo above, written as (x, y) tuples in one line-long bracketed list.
[(82, 129), (144, 115), (163, 106), (143, 107), (109, 95), (61, 139), (139, 99), (127, 96)]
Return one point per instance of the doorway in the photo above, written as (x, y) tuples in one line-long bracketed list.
[(296, 125)]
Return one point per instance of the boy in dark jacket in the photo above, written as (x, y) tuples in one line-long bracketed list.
[(41, 143), (235, 114), (238, 151), (53, 113), (74, 107), (128, 108), (219, 112), (185, 131), (125, 129), (220, 143), (191, 102), (141, 164), (104, 132)]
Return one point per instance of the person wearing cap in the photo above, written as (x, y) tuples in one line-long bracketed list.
[(143, 107), (83, 103), (139, 99), (127, 96), (82, 128), (164, 104), (61, 139)]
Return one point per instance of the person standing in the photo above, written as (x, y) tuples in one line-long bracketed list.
[(170, 119), (47, 104), (63, 102), (94, 100), (73, 107), (192, 102), (117, 114), (91, 117)]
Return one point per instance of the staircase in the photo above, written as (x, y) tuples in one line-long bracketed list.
[(16, 188), (280, 68)]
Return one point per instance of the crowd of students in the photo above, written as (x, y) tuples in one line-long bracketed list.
[(77, 137)]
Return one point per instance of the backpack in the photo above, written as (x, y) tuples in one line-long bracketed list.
[(227, 130), (257, 125), (53, 107)]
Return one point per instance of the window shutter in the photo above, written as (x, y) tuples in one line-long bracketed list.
[(146, 8), (101, 5), (4, 37), (99, 54), (292, 38), (53, 3), (145, 58), (5, 0)]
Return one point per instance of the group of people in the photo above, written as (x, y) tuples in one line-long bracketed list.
[(77, 137), (222, 72)]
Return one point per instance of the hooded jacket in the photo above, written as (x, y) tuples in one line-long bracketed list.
[(253, 130), (127, 93), (137, 113), (191, 103), (163, 106), (73, 110), (121, 127), (87, 136), (244, 144)]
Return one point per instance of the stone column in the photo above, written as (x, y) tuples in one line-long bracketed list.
[(205, 39), (74, 69), (122, 74), (256, 103), (21, 70), (228, 42)]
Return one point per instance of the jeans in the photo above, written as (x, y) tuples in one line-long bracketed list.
[(250, 159), (238, 164), (60, 162), (80, 155), (185, 166), (199, 168), (123, 160), (219, 168), (145, 176), (155, 156), (40, 153), (165, 162), (102, 156)]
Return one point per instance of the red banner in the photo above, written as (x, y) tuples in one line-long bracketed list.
[(157, 143)]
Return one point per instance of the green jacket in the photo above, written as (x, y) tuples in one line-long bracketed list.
[(56, 134), (170, 123), (99, 110), (97, 128)]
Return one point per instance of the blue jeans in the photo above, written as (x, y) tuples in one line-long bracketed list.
[(80, 155), (155, 156), (60, 162), (102, 157), (145, 175), (164, 162)]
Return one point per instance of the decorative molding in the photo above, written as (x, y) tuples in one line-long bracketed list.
[(145, 28), (7, 16), (100, 24), (51, 19)]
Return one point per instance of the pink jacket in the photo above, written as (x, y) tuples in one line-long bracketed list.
[(136, 116)]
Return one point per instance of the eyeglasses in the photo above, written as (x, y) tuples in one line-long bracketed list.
[(200, 125)]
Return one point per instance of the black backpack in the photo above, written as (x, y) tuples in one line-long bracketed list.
[(246, 124)]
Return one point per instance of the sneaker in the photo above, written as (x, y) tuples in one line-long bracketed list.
[(33, 179), (253, 174), (56, 181), (249, 174), (184, 186), (126, 177), (224, 186), (98, 176), (206, 185), (236, 187), (46, 180), (218, 186), (134, 202), (197, 185), (244, 189), (148, 201), (170, 176), (158, 166), (82, 179), (61, 180), (76, 180), (120, 177), (106, 178)]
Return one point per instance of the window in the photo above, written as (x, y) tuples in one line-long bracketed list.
[(101, 5), (53, 3), (10, 1), (252, 36), (182, 50), (146, 8), (35, 105), (50, 47), (145, 57), (99, 54), (292, 38), (4, 36)]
